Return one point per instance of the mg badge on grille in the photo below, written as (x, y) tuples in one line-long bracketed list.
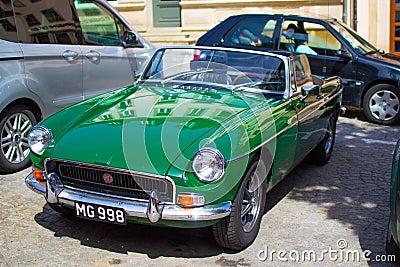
[(108, 178)]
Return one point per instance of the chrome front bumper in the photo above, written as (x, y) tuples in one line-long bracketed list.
[(152, 209)]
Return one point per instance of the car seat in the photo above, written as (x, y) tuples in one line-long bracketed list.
[(215, 62)]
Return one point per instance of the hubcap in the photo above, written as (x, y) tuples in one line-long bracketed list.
[(384, 105), (251, 203), (14, 138)]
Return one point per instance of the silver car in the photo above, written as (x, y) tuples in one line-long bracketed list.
[(54, 53)]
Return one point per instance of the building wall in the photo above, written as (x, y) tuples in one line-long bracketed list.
[(373, 22), (197, 16)]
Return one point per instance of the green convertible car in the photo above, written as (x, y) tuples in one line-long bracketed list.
[(393, 233), (197, 141)]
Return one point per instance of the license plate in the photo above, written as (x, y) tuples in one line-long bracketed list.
[(100, 213)]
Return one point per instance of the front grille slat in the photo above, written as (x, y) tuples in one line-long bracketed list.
[(127, 184)]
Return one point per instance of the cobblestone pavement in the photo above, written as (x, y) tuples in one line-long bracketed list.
[(341, 205)]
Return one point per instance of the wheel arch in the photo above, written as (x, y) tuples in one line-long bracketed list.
[(29, 103), (373, 83), (266, 156)]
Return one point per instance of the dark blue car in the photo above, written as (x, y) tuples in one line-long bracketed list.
[(370, 76)]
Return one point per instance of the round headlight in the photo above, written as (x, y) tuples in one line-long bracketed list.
[(208, 164), (39, 138)]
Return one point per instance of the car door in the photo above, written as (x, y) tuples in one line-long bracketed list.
[(310, 108), (331, 59), (106, 64), (49, 41)]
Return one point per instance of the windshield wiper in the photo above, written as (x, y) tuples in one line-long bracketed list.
[(372, 52), (185, 74)]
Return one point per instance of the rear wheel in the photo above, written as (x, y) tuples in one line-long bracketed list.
[(321, 154), (382, 104), (240, 228), (15, 125)]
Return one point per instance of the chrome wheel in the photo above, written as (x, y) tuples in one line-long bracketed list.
[(251, 203), (14, 138), (240, 228), (384, 105), (329, 135)]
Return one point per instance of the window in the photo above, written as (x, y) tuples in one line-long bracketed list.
[(99, 26), (8, 31), (308, 38), (52, 15), (395, 27), (302, 71), (252, 32), (46, 22)]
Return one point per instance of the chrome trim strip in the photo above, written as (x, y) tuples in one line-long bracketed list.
[(148, 175), (84, 191), (262, 144), (137, 209), (34, 185)]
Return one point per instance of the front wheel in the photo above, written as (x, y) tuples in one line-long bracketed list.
[(240, 228), (15, 125), (382, 104)]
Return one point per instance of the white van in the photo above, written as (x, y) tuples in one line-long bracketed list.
[(54, 53)]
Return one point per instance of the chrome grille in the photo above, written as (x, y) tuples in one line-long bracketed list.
[(124, 183)]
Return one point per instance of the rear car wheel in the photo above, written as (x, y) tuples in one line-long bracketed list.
[(240, 228), (15, 125), (382, 104), (321, 154)]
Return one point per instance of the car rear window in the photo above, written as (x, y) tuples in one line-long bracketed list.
[(252, 32)]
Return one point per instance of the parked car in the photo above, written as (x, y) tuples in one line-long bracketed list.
[(370, 77), (393, 234), (55, 53), (191, 144)]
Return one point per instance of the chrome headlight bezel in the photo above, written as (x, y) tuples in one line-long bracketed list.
[(39, 138), (215, 158)]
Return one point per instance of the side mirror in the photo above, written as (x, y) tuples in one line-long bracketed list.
[(307, 90), (137, 74), (342, 53), (130, 40)]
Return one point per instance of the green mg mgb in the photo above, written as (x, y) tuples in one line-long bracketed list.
[(197, 141)]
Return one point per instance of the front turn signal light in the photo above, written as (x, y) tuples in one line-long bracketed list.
[(38, 174), (190, 200)]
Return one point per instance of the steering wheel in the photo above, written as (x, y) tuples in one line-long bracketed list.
[(248, 75)]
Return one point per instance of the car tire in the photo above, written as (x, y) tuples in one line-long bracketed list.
[(382, 104), (321, 154), (15, 125), (238, 230), (392, 248)]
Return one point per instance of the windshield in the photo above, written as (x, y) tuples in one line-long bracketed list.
[(219, 69), (356, 41)]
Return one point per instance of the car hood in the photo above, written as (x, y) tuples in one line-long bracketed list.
[(387, 58), (143, 128)]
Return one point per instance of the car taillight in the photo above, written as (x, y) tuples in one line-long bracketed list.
[(196, 55)]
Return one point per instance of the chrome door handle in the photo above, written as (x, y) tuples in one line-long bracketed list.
[(93, 55), (70, 55)]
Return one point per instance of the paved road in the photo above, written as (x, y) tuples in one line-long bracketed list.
[(336, 212)]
